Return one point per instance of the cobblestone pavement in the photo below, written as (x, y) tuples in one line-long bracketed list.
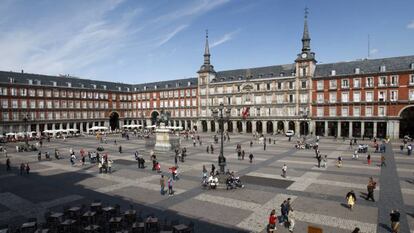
[(317, 194)]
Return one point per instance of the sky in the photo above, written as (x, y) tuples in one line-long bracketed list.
[(139, 41)]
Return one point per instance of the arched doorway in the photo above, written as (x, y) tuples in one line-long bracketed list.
[(248, 126), (269, 127), (291, 125), (304, 128), (230, 126), (183, 125), (114, 120), (204, 125), (154, 116), (213, 126), (239, 126), (407, 122), (259, 127), (280, 126), (189, 125)]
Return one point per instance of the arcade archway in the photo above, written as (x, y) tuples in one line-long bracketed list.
[(114, 120), (269, 127), (407, 122), (154, 116)]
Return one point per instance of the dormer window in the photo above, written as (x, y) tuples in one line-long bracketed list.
[(82, 85), (127, 89), (333, 72), (357, 70), (104, 87), (135, 89), (11, 80), (119, 89), (38, 82), (145, 88), (167, 85), (383, 69), (155, 87), (69, 84), (282, 74), (189, 84), (54, 83), (94, 86), (177, 84), (412, 66), (30, 81)]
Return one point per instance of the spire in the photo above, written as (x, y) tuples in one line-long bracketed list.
[(206, 67), (306, 38)]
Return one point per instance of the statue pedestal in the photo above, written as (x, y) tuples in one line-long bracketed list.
[(162, 136)]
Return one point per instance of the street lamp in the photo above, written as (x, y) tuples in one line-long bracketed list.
[(26, 118), (221, 117)]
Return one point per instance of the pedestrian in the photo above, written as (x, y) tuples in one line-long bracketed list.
[(27, 168), (339, 162), (120, 149), (21, 168), (176, 160), (319, 158), (251, 143), (162, 184), (208, 149), (351, 199), (291, 220), (395, 221), (213, 168), (369, 159), (83, 160), (325, 161), (212, 148), (39, 156), (271, 226), (170, 187), (370, 188), (242, 154), (350, 144), (383, 161), (409, 149), (355, 155), (109, 164), (270, 140), (284, 170), (251, 157), (356, 230), (115, 142), (264, 145), (283, 212), (8, 167)]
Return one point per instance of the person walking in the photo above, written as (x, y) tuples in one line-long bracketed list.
[(8, 167), (264, 145), (283, 212), (291, 220), (284, 170), (21, 168), (350, 144), (251, 157), (27, 168), (325, 161), (383, 164), (251, 143), (170, 186), (162, 184), (339, 162), (319, 158), (369, 159), (213, 168), (370, 188), (351, 199), (242, 154), (356, 230), (395, 221), (271, 226), (120, 149)]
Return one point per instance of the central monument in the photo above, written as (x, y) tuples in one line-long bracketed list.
[(162, 134)]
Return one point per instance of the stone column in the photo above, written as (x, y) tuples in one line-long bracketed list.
[(274, 126), (285, 126), (148, 123), (297, 128), (362, 128), (393, 129), (350, 129), (264, 127), (326, 129), (254, 126), (375, 129), (312, 127), (208, 126), (338, 133), (225, 126), (243, 127), (235, 129)]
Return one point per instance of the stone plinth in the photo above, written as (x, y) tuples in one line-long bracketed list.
[(162, 138)]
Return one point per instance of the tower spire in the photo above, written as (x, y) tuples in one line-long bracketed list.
[(206, 67), (305, 37)]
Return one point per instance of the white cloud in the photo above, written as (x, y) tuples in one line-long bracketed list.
[(170, 35), (411, 25), (373, 51), (226, 37)]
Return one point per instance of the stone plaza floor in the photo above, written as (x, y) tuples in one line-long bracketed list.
[(318, 194)]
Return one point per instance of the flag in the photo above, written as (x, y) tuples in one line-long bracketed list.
[(245, 112)]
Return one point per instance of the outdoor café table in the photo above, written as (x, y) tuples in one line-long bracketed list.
[(180, 228), (89, 216), (151, 223)]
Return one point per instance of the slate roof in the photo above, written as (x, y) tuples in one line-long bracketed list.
[(255, 73), (367, 66), (62, 81)]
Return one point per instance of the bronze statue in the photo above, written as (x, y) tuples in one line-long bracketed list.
[(164, 117)]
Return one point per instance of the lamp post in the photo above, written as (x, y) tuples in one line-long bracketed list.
[(220, 116), (26, 118)]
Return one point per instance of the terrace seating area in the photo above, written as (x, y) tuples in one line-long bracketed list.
[(99, 218)]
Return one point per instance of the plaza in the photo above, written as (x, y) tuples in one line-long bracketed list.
[(318, 194)]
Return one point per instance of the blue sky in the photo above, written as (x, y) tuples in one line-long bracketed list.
[(137, 41)]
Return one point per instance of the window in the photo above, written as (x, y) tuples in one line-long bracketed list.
[(381, 96), (23, 92), (368, 111), (32, 104), (332, 84), (381, 111), (5, 116), (54, 83), (411, 94), (369, 82), (32, 92), (291, 85), (319, 98), (393, 95), (345, 83), (14, 104), (345, 97), (357, 96), (332, 97), (268, 86), (332, 111), (319, 112), (382, 81), (258, 86), (357, 111), (23, 104), (394, 80), (3, 90), (357, 70), (4, 103), (357, 83), (13, 91), (280, 85), (369, 96), (383, 69), (319, 85), (291, 98), (412, 66), (333, 72), (344, 111), (411, 82), (303, 84)]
